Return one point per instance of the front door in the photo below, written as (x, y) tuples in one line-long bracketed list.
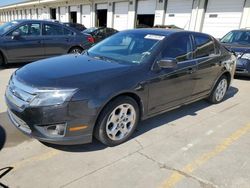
[(28, 46), (171, 87)]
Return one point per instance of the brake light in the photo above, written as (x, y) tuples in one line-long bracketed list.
[(91, 39)]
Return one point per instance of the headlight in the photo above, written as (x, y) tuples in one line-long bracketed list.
[(52, 97), (246, 56)]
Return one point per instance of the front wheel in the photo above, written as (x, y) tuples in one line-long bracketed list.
[(76, 50), (118, 121), (219, 90)]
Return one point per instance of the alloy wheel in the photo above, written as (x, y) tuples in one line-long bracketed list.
[(221, 89), (121, 122)]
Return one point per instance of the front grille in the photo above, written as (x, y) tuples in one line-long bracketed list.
[(19, 123), (240, 70), (18, 93)]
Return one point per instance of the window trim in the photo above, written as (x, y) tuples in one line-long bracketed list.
[(191, 41), (43, 29), (195, 45), (9, 33)]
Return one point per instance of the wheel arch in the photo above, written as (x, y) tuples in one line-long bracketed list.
[(229, 77), (3, 56), (76, 46), (223, 73), (125, 94)]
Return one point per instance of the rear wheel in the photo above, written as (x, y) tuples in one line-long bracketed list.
[(118, 121), (76, 50), (219, 90)]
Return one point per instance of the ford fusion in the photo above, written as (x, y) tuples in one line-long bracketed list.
[(107, 90)]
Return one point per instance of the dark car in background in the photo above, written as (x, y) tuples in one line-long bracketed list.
[(30, 40), (97, 34), (104, 92), (77, 26), (238, 41)]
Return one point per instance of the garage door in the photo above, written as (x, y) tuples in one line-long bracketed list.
[(40, 13), (121, 16), (28, 13), (146, 7), (63, 14), (179, 13), (86, 18), (222, 16), (33, 14), (19, 14)]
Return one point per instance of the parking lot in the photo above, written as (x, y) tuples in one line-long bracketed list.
[(199, 145)]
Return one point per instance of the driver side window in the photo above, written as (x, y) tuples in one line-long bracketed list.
[(23, 30), (179, 48), (29, 29)]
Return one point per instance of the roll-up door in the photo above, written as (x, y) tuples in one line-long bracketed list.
[(121, 16), (222, 16)]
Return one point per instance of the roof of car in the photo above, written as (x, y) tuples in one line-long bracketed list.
[(241, 30), (158, 31), (48, 21), (30, 20)]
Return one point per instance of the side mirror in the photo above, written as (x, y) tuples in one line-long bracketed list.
[(167, 63), (16, 35)]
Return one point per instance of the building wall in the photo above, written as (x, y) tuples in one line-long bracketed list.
[(188, 14)]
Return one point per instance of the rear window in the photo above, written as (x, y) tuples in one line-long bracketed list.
[(68, 32), (204, 46), (51, 29)]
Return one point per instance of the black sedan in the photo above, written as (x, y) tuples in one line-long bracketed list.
[(238, 41), (30, 40), (130, 76), (99, 33)]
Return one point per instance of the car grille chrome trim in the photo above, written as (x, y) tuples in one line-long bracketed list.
[(19, 94), (19, 123)]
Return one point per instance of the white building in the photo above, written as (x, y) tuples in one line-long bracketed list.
[(215, 17)]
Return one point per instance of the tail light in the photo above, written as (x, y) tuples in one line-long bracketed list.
[(91, 39)]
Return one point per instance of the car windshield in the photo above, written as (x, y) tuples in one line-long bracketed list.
[(6, 26), (124, 47), (237, 37), (90, 30)]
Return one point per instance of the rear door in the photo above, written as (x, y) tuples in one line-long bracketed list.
[(171, 87), (27, 47), (208, 63), (54, 39)]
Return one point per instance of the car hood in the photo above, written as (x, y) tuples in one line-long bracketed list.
[(69, 71), (237, 48)]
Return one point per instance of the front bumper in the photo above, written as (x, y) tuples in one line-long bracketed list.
[(243, 67), (32, 122)]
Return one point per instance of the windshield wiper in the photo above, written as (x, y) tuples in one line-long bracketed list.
[(105, 58)]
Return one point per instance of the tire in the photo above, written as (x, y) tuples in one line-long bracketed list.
[(117, 121), (76, 50), (219, 91)]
